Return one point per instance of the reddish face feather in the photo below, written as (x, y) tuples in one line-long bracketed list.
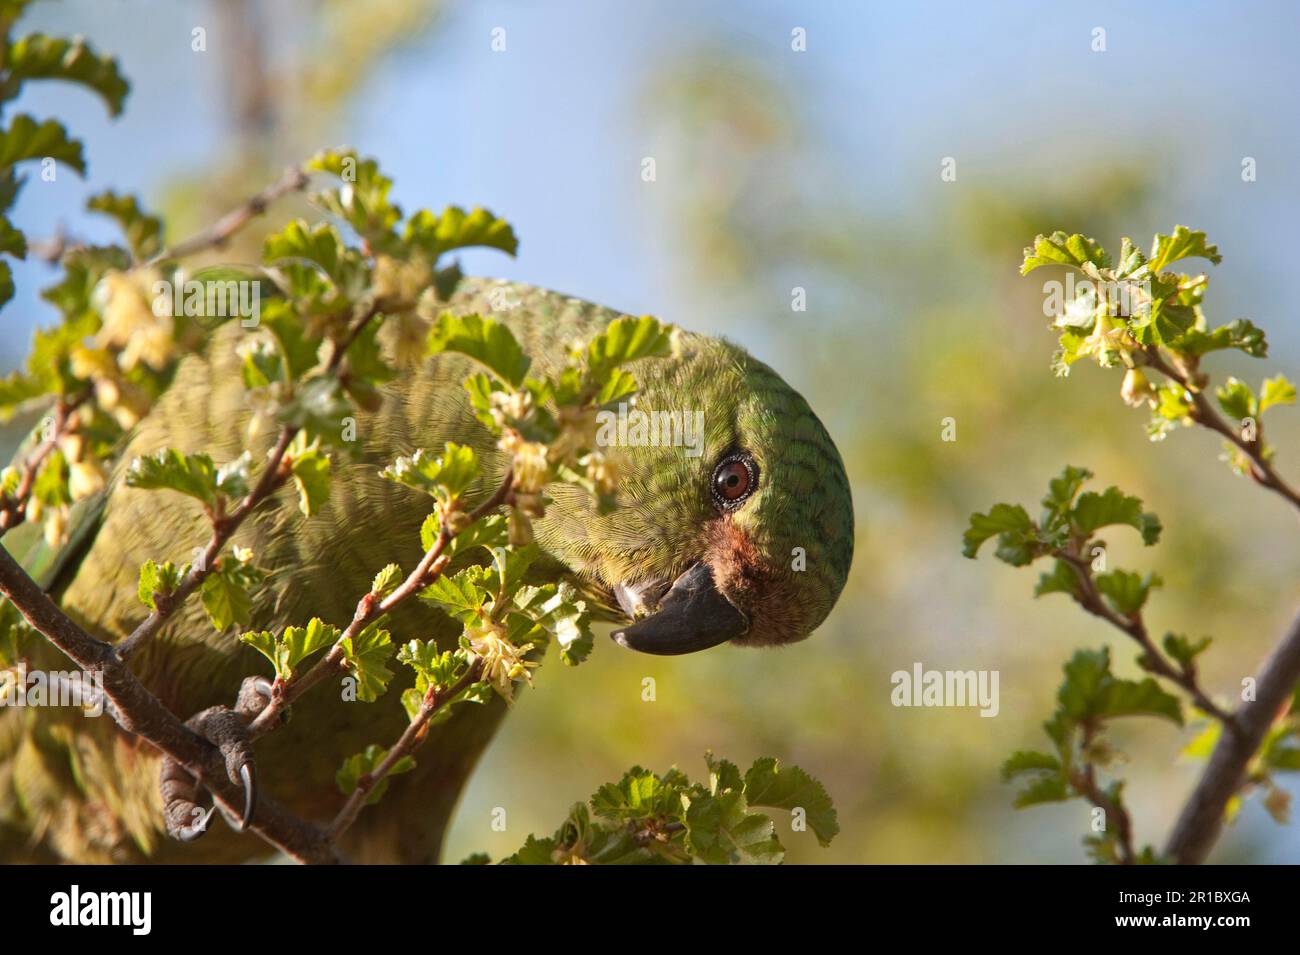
[(766, 594)]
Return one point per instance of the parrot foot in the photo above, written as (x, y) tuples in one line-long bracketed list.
[(226, 729)]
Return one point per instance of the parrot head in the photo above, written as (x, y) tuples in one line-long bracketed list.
[(734, 519)]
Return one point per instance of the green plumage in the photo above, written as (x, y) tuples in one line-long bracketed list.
[(76, 788)]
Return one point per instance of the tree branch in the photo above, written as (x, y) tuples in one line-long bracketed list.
[(141, 713), (411, 737), (1201, 820), (1135, 627), (295, 179)]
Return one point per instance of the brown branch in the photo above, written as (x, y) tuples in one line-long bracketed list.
[(1085, 783), (1201, 819), (295, 179), (1204, 414), (1091, 600), (13, 507), (141, 713), (370, 608), (224, 526), (411, 737)]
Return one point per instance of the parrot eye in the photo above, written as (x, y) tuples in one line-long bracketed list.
[(734, 479)]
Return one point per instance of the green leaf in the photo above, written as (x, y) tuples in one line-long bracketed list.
[(1041, 790), (445, 477), (639, 795), (1145, 698), (489, 532), (1183, 650), (1241, 335), (767, 784), (1010, 524), (1091, 691), (386, 580), (1126, 591), (311, 478), (487, 341), (1062, 579), (1061, 491), (157, 579), (363, 199), (1094, 511), (1028, 761), (455, 229), (1276, 391), (41, 57), (624, 340), (364, 763), (1236, 399), (226, 600), (26, 139), (366, 656), (722, 831), (191, 474), (461, 595), (143, 232), (12, 241), (1183, 244), (1061, 249)]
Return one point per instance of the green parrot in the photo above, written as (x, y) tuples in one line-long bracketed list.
[(745, 538)]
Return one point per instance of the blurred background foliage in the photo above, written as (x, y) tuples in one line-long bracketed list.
[(820, 169)]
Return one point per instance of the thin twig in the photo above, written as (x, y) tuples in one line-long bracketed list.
[(370, 608), (411, 737), (1135, 627), (141, 713), (13, 507), (1204, 414), (295, 179)]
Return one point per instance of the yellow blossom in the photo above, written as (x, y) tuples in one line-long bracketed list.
[(502, 662)]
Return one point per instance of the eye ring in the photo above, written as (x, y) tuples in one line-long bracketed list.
[(734, 479)]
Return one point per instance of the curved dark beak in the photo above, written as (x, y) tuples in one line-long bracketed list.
[(691, 616)]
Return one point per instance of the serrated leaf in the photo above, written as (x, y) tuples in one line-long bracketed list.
[(1236, 399), (1093, 511), (1010, 522), (25, 139), (1126, 591), (311, 478), (456, 229), (1276, 391), (1062, 249), (1027, 761), (624, 340), (193, 475), (366, 762), (226, 600), (41, 57), (444, 477), (768, 785), (143, 232), (488, 342), (366, 656), (1183, 244)]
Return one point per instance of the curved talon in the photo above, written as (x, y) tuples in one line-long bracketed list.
[(195, 831), (227, 730), (247, 778)]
